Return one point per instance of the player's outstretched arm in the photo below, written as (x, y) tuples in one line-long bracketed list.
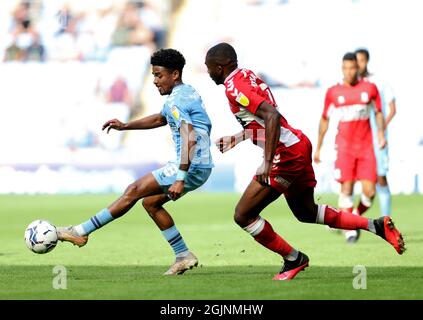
[(149, 122), (380, 123), (392, 112), (189, 141), (323, 128), (272, 120), (228, 142)]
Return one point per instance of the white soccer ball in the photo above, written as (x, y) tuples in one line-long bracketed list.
[(40, 236)]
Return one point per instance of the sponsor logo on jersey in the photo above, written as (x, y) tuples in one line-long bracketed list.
[(242, 100), (353, 112), (175, 112)]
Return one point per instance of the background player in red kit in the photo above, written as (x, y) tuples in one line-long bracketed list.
[(353, 100), (286, 168)]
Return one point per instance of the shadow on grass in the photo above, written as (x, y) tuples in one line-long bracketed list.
[(214, 282)]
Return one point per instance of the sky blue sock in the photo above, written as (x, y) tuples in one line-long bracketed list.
[(96, 222), (174, 238), (384, 200)]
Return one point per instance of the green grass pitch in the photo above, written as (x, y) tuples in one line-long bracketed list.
[(126, 259)]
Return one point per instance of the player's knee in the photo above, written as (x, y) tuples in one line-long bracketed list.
[(382, 181), (133, 191), (150, 206), (369, 193)]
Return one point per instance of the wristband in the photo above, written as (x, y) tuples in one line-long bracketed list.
[(181, 175)]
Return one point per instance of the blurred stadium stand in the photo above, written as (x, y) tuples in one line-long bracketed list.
[(68, 66)]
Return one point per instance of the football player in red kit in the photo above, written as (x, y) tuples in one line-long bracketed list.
[(286, 168), (353, 100)]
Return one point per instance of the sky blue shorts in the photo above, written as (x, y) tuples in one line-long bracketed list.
[(382, 157), (166, 176), (382, 160)]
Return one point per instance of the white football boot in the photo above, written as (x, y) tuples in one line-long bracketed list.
[(69, 234), (182, 264)]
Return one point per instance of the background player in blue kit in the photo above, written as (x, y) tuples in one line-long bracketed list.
[(190, 125), (389, 110)]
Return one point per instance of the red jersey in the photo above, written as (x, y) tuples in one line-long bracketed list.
[(245, 92), (353, 103)]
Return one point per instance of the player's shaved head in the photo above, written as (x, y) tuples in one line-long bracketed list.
[(221, 60), (222, 54)]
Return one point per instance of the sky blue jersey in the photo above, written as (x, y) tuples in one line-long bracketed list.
[(185, 104), (387, 96)]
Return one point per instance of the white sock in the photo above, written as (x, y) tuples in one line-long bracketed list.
[(256, 227), (79, 230)]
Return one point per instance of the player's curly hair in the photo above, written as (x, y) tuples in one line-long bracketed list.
[(169, 58)]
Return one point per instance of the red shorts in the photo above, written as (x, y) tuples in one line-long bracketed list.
[(292, 171), (353, 165)]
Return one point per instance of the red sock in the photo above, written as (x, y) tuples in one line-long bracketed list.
[(272, 241), (344, 220), (362, 208)]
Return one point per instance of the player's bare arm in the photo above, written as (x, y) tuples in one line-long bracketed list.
[(187, 153), (323, 128), (380, 123), (228, 142), (271, 119), (392, 112), (149, 122)]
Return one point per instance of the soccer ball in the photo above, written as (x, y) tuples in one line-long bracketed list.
[(40, 236)]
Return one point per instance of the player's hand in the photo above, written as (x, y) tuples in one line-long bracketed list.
[(225, 143), (113, 124), (381, 141), (176, 189), (263, 173), (316, 157)]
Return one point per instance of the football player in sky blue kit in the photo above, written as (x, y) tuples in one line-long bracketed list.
[(388, 110), (190, 125)]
